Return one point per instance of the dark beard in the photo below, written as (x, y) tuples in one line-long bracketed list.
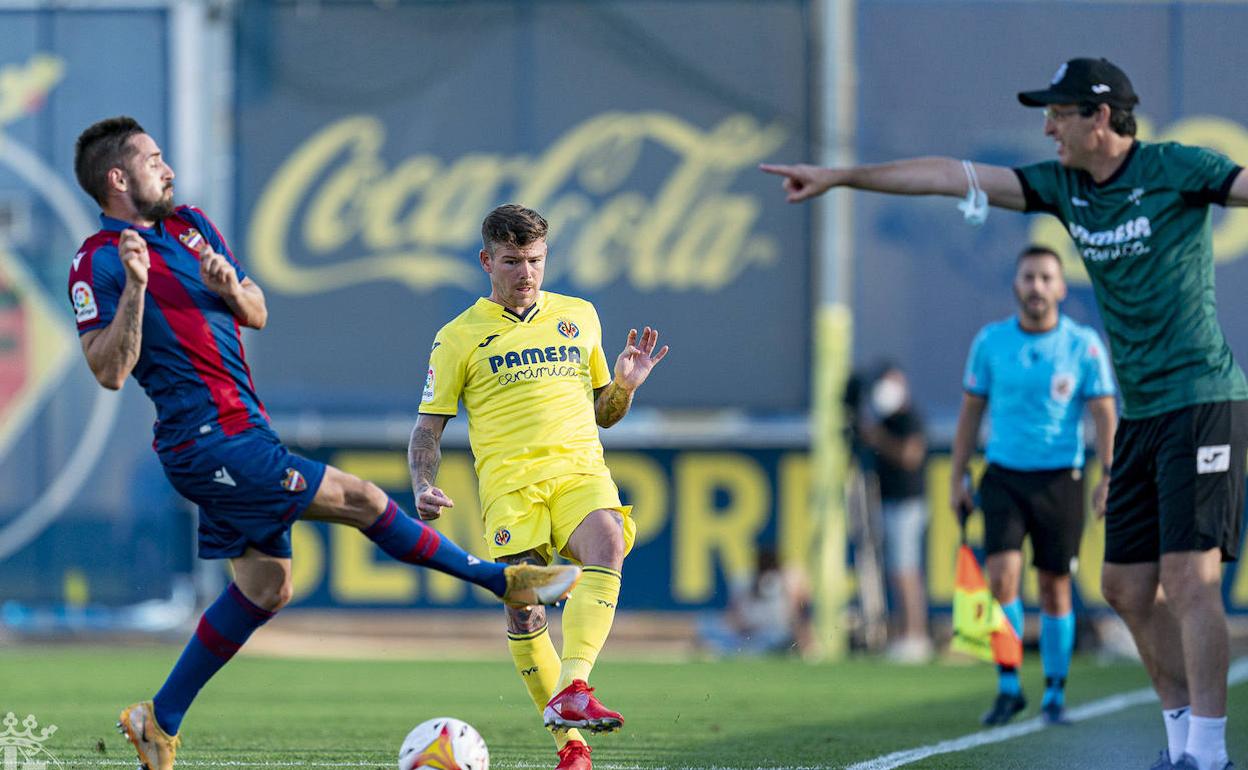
[(156, 210)]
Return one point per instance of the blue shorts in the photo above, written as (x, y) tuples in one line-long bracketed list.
[(250, 489)]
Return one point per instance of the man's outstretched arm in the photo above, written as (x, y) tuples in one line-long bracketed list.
[(914, 176)]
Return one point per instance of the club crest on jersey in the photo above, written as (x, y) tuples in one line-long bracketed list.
[(568, 329), (294, 481), (83, 298), (192, 239), (1062, 387), (502, 537)]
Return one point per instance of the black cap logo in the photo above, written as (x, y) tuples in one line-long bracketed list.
[(1085, 81)]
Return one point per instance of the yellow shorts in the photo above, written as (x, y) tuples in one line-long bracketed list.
[(542, 516)]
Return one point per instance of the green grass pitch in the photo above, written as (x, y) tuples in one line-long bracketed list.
[(741, 714)]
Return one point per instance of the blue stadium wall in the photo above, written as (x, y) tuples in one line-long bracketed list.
[(370, 141)]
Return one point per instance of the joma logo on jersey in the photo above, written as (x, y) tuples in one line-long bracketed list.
[(535, 356)]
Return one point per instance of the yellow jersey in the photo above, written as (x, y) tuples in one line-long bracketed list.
[(527, 384)]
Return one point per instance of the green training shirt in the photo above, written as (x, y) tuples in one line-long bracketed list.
[(1147, 242)]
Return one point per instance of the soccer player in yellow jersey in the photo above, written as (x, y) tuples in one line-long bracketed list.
[(530, 370)]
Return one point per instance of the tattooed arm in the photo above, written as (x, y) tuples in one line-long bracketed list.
[(424, 454), (611, 403), (113, 351), (632, 367)]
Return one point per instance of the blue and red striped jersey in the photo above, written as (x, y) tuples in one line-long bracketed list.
[(191, 363)]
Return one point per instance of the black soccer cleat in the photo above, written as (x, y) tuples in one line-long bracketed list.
[(1003, 709), (1163, 761), (1054, 714)]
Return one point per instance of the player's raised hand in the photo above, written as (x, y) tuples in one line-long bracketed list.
[(803, 181), (430, 501), (633, 365), (217, 272), (134, 257)]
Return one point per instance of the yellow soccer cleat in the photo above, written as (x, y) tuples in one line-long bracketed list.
[(156, 749), (529, 584)]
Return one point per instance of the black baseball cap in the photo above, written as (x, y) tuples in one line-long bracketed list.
[(1083, 81)]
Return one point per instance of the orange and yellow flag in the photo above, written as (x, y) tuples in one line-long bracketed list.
[(980, 627)]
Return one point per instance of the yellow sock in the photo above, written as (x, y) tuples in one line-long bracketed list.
[(538, 665), (587, 618)]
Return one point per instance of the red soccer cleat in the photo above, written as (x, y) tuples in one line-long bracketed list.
[(576, 706), (574, 756)]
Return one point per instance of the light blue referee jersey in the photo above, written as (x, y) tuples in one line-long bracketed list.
[(1036, 386)]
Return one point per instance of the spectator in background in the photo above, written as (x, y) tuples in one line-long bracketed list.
[(892, 429), (768, 612)]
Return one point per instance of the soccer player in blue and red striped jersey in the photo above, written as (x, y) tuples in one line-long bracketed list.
[(158, 294)]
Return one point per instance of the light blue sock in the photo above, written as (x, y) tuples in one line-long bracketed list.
[(1007, 680), (1007, 676), (1057, 642)]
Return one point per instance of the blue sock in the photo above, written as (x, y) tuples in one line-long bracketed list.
[(413, 542), (221, 632), (1057, 642), (1007, 680), (1007, 676)]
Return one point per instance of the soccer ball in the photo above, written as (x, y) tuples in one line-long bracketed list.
[(444, 744)]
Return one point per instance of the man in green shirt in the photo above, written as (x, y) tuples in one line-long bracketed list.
[(1139, 215)]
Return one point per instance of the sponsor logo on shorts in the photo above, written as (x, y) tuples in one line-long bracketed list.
[(222, 476), (568, 329), (83, 298), (294, 481), (1213, 459), (528, 671), (502, 537)]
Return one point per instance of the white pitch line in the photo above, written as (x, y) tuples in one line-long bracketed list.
[(1237, 674), (522, 765)]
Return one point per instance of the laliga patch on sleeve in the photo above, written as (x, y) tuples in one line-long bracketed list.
[(428, 394), (1213, 459), (83, 298)]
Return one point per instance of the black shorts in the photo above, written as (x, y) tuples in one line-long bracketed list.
[(1178, 483), (1047, 505)]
